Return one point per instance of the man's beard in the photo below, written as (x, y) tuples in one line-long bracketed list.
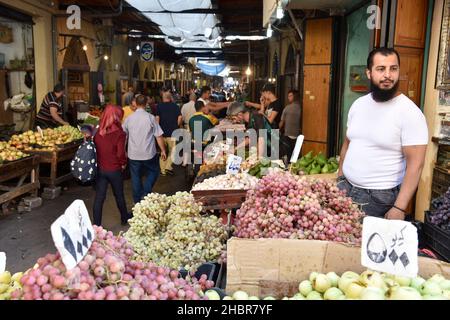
[(383, 95)]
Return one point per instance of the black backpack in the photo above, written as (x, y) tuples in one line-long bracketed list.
[(84, 164)]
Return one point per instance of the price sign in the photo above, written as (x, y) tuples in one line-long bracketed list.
[(233, 164), (390, 246), (2, 262), (73, 234), (298, 147)]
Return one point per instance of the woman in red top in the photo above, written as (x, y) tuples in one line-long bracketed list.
[(111, 160)]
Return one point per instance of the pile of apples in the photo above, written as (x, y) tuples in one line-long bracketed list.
[(48, 139), (10, 153), (9, 284)]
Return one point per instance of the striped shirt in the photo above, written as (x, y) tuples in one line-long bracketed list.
[(49, 101)]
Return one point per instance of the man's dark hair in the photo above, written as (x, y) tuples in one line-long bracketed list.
[(268, 87), (141, 100), (205, 89), (58, 88), (384, 51), (199, 105), (295, 93)]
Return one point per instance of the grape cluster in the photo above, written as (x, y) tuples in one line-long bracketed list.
[(171, 232), (287, 206), (441, 216), (107, 273)]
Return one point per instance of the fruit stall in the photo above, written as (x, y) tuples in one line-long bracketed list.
[(18, 177), (55, 148)]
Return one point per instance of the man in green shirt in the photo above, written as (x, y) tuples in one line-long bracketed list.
[(201, 122)]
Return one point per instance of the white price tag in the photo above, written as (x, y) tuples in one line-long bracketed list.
[(73, 234), (2, 262), (233, 164), (390, 246), (297, 149)]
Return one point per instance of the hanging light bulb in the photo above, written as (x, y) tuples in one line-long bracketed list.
[(106, 57), (129, 52), (269, 31), (280, 12), (248, 71), (85, 47), (138, 47)]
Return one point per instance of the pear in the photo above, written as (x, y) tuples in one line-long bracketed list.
[(240, 295), (269, 298), (429, 297), (445, 285), (333, 294), (212, 295), (403, 281), (305, 287), (298, 296), (373, 279), (314, 295), (5, 277), (346, 279), (313, 276), (404, 293), (354, 290), (437, 278), (3, 287), (321, 283), (227, 298), (334, 278), (372, 293), (417, 282), (431, 288), (253, 298)]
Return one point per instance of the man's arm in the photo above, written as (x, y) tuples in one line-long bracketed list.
[(217, 106), (162, 146), (180, 121), (157, 119), (253, 105), (415, 159), (272, 117), (342, 155), (56, 117)]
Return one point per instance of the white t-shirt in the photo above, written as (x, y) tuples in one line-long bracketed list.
[(206, 102), (187, 110), (377, 133)]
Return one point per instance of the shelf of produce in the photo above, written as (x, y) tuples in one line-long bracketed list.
[(220, 199), (56, 159), (13, 176)]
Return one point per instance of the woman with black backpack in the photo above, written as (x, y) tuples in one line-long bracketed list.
[(112, 160)]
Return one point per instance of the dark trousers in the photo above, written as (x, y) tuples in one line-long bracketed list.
[(137, 168), (288, 146), (101, 187), (375, 203)]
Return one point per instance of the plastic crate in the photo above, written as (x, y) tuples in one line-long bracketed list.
[(436, 238)]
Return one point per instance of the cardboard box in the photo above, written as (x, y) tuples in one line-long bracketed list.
[(276, 266), (325, 176)]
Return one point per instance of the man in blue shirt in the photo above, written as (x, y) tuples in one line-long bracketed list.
[(168, 115)]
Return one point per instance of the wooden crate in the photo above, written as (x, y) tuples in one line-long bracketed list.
[(19, 170), (220, 199), (56, 159)]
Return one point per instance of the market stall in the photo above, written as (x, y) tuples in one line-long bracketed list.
[(18, 178)]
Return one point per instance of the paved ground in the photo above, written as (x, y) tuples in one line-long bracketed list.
[(26, 237)]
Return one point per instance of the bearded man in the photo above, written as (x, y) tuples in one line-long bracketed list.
[(384, 150)]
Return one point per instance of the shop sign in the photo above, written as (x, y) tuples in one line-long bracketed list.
[(73, 234), (147, 51), (390, 246)]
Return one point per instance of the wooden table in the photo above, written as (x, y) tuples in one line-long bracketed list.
[(220, 199), (55, 159), (21, 169)]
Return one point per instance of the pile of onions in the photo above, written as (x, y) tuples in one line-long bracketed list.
[(286, 206), (107, 273)]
